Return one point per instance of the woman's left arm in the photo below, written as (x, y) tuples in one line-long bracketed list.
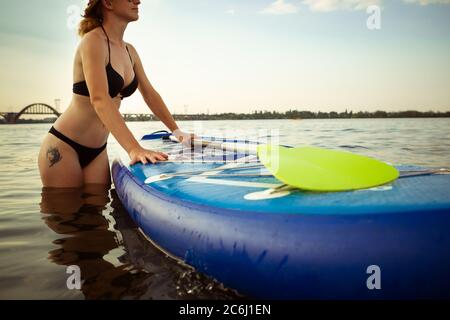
[(153, 99)]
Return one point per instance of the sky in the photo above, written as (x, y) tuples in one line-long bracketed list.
[(244, 55)]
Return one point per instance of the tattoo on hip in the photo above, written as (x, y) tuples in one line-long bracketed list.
[(53, 156)]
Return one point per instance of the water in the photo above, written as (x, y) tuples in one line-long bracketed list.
[(42, 231)]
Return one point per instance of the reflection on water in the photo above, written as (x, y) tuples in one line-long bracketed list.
[(115, 260)]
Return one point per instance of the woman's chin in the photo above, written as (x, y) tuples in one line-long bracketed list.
[(131, 18)]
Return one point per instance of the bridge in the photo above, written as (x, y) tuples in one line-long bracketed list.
[(43, 109), (35, 108)]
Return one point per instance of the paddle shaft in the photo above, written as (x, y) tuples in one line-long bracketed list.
[(216, 169), (404, 174), (226, 146), (218, 175)]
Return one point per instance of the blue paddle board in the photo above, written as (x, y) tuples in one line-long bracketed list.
[(224, 214)]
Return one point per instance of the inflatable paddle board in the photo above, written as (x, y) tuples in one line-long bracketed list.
[(222, 213)]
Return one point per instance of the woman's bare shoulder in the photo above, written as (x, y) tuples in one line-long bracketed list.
[(131, 48), (92, 39), (133, 52)]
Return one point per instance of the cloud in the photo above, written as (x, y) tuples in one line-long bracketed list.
[(425, 2), (279, 7), (231, 12), (332, 5)]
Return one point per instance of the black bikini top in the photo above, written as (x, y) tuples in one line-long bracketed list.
[(115, 80)]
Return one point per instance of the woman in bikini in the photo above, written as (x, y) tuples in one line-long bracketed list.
[(106, 70)]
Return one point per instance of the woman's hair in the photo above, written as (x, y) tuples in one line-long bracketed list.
[(92, 18)]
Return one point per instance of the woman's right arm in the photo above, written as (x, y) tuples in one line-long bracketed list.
[(93, 58)]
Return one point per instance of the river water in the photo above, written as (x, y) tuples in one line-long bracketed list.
[(43, 231)]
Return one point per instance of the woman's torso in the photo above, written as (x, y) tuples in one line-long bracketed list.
[(80, 122)]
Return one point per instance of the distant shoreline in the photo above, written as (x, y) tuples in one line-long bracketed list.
[(273, 115)]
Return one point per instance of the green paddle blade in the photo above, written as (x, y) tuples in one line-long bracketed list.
[(317, 169)]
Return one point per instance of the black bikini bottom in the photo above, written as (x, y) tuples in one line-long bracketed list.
[(85, 154)]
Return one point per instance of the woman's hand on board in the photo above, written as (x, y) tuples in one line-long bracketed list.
[(183, 137), (140, 154)]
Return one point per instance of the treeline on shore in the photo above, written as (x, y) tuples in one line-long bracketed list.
[(291, 114), (295, 114)]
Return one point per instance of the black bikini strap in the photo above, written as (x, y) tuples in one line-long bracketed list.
[(109, 48), (129, 55)]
